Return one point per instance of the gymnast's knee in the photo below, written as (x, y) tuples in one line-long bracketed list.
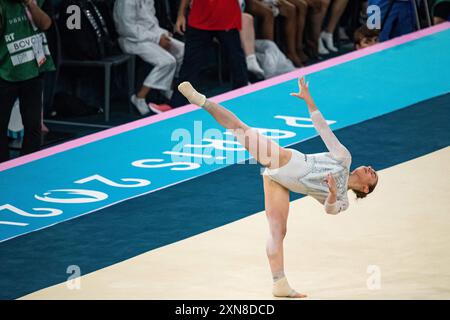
[(278, 232)]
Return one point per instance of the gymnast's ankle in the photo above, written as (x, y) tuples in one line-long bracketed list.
[(282, 289)]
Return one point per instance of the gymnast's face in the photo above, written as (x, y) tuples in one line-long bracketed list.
[(367, 176)]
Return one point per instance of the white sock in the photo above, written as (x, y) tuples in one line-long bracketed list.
[(253, 65), (140, 104), (327, 37), (322, 49)]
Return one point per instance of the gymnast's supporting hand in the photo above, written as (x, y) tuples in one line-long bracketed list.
[(331, 182)]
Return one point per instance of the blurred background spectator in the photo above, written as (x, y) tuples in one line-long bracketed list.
[(247, 34), (220, 19), (440, 10), (365, 37), (140, 34), (326, 36), (397, 17), (263, 57), (315, 18), (270, 9), (21, 68)]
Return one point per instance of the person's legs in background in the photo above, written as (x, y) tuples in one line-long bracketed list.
[(160, 78), (288, 11), (301, 6), (337, 9), (265, 14), (231, 43), (9, 92), (197, 43), (314, 26), (44, 128), (30, 99), (247, 35), (389, 21), (400, 19), (177, 51), (349, 20), (406, 22)]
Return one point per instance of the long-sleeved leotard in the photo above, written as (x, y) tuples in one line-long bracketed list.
[(334, 146), (306, 173)]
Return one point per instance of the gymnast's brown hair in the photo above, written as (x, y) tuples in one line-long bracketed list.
[(362, 194)]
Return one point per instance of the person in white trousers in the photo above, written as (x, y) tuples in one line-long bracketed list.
[(140, 34)]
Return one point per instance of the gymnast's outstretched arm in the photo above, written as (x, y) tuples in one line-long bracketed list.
[(336, 149), (332, 204)]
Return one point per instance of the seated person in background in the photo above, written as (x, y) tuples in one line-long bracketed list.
[(365, 37), (293, 22), (264, 58), (400, 19), (326, 41), (440, 10), (247, 34), (248, 39), (265, 15), (140, 34), (316, 14), (21, 68), (302, 7)]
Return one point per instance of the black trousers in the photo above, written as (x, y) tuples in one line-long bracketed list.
[(29, 93), (195, 56)]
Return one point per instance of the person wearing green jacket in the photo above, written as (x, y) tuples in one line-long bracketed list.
[(24, 56)]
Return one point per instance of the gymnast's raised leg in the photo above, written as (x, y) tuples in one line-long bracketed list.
[(266, 151)]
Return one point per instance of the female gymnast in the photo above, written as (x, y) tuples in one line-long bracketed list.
[(324, 176)]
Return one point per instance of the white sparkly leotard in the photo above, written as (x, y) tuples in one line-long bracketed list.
[(306, 173)]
